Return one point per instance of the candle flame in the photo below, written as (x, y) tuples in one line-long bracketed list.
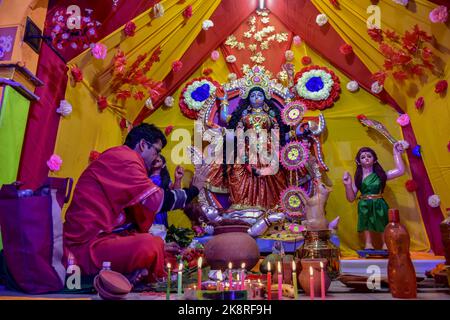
[(180, 268), (268, 266), (169, 265), (199, 262), (230, 265), (279, 267), (293, 266), (219, 275), (243, 265), (310, 270)]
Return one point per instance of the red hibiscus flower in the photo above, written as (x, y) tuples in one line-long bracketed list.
[(376, 34), (77, 74), (207, 71), (361, 117), (306, 60), (420, 103), (94, 155), (102, 103), (168, 130), (411, 185), (441, 86), (187, 13), (177, 66), (346, 49), (130, 29)]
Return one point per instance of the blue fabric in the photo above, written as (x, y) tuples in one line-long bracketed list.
[(201, 93), (160, 217), (314, 84)]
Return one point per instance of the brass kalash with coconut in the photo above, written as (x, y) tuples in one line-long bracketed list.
[(250, 199)]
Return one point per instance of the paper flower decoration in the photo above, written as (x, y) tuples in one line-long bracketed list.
[(289, 55), (297, 40), (196, 95), (65, 108), (130, 29), (293, 201), (77, 74), (54, 163), (402, 2), (306, 60), (352, 86), (102, 103), (207, 24), (294, 155), (99, 51), (346, 49), (207, 71), (123, 123), (411, 185), (361, 117), (376, 34), (169, 101), (168, 130), (292, 113), (420, 103), (434, 201), (376, 87), (158, 10), (215, 55), (232, 76), (416, 151), (177, 66), (93, 155), (187, 13), (403, 120), (439, 15), (321, 19), (441, 86), (448, 146), (231, 58)]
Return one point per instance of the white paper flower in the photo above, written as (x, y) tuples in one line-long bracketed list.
[(434, 201), (402, 2), (231, 59), (404, 144), (232, 76), (376, 87), (65, 108), (158, 10), (169, 101), (149, 103), (207, 24), (321, 19), (289, 55), (352, 86)]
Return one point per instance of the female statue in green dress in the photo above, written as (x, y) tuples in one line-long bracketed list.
[(370, 180)]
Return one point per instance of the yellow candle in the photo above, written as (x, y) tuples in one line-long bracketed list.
[(294, 280)]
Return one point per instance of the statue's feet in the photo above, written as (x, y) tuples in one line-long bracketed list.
[(333, 225)]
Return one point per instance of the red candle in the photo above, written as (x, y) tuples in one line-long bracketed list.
[(269, 281), (311, 283), (243, 276), (230, 275), (322, 281), (280, 281), (219, 280), (199, 273)]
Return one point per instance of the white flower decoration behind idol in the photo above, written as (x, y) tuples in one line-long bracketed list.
[(434, 201), (158, 10), (207, 24), (321, 94), (65, 108), (231, 58), (376, 87), (321, 19), (169, 101), (352, 86)]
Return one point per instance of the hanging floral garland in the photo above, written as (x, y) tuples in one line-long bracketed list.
[(292, 113), (317, 87), (294, 155), (293, 201), (196, 94)]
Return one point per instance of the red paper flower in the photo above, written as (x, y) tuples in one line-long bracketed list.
[(306, 60), (77, 74), (139, 95), (94, 155), (177, 66), (448, 146), (376, 34), (187, 13), (123, 94), (335, 3), (441, 86), (102, 103), (130, 29), (168, 130), (361, 117), (123, 123), (420, 103), (346, 49), (207, 71), (411, 185)]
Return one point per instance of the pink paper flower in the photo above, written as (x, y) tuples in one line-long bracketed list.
[(99, 51), (420, 103), (306, 60), (439, 15), (130, 29), (54, 163), (102, 103), (297, 40), (177, 66), (403, 120), (215, 55), (187, 13)]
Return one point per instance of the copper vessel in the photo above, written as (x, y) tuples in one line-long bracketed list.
[(318, 245)]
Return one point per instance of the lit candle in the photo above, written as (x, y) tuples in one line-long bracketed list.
[(311, 283), (180, 277), (269, 281), (280, 282), (322, 281), (243, 276), (294, 280), (168, 282), (230, 275), (199, 273)]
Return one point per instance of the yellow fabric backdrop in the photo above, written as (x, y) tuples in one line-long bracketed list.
[(431, 126)]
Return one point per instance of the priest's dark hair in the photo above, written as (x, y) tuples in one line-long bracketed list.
[(148, 132)]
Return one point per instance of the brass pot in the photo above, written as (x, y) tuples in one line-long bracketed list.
[(317, 245)]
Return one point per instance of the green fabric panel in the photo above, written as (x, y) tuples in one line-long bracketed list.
[(13, 122)]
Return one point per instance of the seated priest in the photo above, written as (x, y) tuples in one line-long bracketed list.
[(114, 205)]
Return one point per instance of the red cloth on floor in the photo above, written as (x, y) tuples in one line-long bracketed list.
[(109, 193)]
